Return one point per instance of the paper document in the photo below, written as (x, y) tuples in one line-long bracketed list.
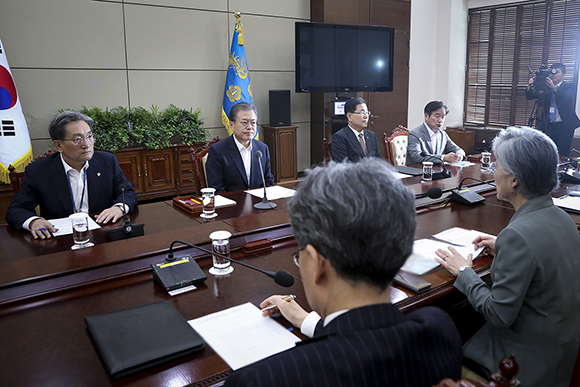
[(459, 236), (402, 175), (241, 336), (221, 201), (460, 164), (568, 202), (65, 227), (274, 192), (422, 259)]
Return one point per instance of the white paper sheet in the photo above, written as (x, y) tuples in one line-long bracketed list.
[(274, 192), (422, 259), (65, 227), (568, 202), (241, 336), (221, 201), (402, 175), (459, 236)]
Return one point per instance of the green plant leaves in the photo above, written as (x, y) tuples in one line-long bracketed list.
[(120, 127)]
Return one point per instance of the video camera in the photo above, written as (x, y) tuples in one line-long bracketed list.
[(540, 81)]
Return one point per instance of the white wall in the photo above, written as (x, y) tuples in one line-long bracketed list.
[(105, 53), (437, 57)]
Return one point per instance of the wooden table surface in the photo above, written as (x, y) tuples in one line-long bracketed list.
[(46, 289)]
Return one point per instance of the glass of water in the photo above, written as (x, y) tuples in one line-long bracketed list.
[(80, 228), (208, 202), (485, 161), (220, 242), (427, 170)]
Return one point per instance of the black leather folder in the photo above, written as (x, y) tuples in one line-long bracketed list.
[(132, 340)]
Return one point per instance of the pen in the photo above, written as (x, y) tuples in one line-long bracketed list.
[(272, 306)]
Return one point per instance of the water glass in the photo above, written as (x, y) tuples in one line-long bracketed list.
[(80, 230), (485, 161), (220, 242), (427, 170), (208, 202)]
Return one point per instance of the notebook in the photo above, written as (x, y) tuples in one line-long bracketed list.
[(134, 339)]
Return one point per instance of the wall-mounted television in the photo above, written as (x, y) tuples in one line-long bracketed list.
[(343, 58)]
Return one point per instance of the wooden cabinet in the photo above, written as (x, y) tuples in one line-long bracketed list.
[(283, 159), (158, 173)]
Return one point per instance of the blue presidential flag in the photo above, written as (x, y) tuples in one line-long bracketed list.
[(15, 148), (238, 88)]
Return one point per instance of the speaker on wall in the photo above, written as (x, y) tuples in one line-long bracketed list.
[(280, 108)]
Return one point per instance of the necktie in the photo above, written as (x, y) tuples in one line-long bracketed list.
[(553, 108), (362, 143)]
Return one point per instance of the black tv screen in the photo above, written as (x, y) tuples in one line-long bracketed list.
[(343, 58)]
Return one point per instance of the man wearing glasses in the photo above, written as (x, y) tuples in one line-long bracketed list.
[(429, 142), (354, 141), (232, 163), (347, 259), (75, 179)]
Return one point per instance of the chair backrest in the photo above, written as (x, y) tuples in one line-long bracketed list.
[(505, 377), (396, 145), (198, 159), (16, 177), (326, 145)]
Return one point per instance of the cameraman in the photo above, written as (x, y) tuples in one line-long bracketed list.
[(558, 117)]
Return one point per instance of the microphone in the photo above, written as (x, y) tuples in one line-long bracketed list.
[(127, 230), (434, 192), (282, 278), (264, 204)]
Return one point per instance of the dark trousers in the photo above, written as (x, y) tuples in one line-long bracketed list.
[(561, 136)]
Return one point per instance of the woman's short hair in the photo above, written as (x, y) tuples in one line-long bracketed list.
[(529, 155)]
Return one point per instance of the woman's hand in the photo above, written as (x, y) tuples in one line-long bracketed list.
[(485, 241), (452, 260)]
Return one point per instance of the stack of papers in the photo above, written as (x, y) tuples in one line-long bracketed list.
[(242, 336), (221, 201), (569, 202), (461, 164), (274, 192), (422, 259)]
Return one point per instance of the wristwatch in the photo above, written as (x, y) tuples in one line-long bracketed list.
[(462, 268)]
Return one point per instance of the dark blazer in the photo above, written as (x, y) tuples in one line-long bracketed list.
[(564, 102), (225, 170), (45, 184), (532, 308), (419, 147), (373, 345), (345, 145)]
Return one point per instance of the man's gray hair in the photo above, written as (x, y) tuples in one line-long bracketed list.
[(357, 215), (529, 155), (57, 128)]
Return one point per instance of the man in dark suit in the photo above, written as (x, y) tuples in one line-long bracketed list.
[(354, 142), (558, 117), (347, 257), (429, 142), (232, 163), (76, 179)]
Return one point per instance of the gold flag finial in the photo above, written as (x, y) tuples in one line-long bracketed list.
[(238, 27)]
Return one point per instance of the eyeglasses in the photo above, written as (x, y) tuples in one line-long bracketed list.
[(492, 168), (81, 140), (296, 257), (246, 123), (363, 113)]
